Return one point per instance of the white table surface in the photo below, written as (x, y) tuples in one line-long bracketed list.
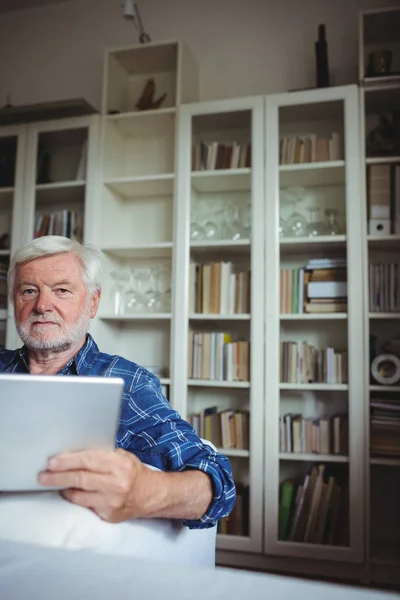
[(33, 572)]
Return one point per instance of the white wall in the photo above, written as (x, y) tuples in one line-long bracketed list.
[(243, 47)]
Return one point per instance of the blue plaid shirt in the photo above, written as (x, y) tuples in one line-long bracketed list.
[(148, 426)]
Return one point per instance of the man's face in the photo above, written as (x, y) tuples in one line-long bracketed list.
[(51, 307)]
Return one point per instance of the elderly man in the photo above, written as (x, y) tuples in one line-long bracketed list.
[(54, 285)]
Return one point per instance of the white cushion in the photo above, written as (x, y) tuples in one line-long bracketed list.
[(45, 518)]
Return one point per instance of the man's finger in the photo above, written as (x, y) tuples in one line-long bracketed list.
[(99, 461), (83, 480), (80, 498)]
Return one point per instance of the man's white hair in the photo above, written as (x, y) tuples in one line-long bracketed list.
[(50, 245)]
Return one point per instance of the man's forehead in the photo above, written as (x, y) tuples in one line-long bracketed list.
[(66, 264)]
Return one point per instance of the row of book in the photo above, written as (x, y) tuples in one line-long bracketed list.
[(308, 149), (319, 287), (384, 287), (3, 284), (217, 155), (315, 510), (67, 223), (385, 427), (218, 289), (383, 192), (325, 435), (301, 362), (214, 356), (225, 429), (238, 521)]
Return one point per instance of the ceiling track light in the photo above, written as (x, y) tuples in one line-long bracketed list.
[(131, 13)]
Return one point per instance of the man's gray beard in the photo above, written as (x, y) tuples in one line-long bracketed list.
[(69, 334)]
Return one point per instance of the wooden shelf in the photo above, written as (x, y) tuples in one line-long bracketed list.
[(384, 242), (231, 246), (313, 174), (218, 384), (6, 197), (5, 252), (165, 380), (3, 314), (317, 387), (222, 180), (313, 317), (394, 389), (142, 187), (137, 317), (336, 458), (65, 192), (142, 123), (384, 316), (218, 317), (385, 462), (382, 160), (160, 250), (318, 245), (234, 452)]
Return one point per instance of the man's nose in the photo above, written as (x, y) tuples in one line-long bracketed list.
[(44, 301)]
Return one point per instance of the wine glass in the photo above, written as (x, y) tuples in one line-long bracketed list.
[(118, 291), (134, 298), (296, 224), (315, 227), (282, 227), (196, 230), (332, 226)]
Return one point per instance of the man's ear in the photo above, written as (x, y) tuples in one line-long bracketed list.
[(94, 304)]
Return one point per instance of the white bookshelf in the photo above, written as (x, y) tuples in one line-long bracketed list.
[(382, 472), (134, 222), (322, 184), (223, 122), (13, 142)]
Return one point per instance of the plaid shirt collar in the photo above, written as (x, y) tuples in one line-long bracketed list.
[(80, 364)]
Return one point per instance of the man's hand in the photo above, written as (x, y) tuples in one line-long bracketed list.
[(117, 486)]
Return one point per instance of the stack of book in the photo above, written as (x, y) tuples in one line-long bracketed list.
[(215, 288), (384, 287), (67, 223), (309, 148), (218, 155), (385, 428), (225, 429), (326, 435), (314, 511), (319, 287), (301, 362), (383, 191), (238, 521), (214, 356)]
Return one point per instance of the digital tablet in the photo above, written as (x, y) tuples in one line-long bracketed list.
[(43, 415)]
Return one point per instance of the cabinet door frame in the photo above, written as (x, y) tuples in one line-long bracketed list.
[(91, 123), (179, 352), (20, 132), (356, 367)]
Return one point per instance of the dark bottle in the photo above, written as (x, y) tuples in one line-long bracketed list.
[(321, 58)]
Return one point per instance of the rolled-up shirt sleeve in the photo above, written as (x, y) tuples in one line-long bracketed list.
[(156, 433)]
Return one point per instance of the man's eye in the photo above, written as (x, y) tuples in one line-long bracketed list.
[(63, 290), (28, 292)]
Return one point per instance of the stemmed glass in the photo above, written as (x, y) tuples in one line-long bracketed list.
[(296, 224), (332, 226), (197, 232), (315, 227), (118, 291), (134, 297)]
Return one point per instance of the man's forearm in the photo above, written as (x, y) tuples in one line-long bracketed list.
[(184, 495)]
